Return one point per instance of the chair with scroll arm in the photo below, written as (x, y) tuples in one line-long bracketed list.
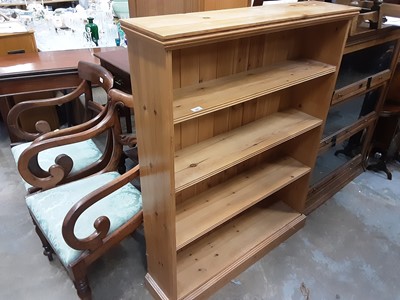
[(72, 161), (81, 220)]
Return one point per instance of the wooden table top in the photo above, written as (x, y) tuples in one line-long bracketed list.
[(117, 57), (48, 62)]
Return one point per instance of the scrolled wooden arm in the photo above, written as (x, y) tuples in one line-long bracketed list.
[(75, 129), (58, 173), (18, 109), (102, 223), (89, 73)]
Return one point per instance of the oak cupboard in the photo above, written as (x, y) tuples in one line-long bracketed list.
[(229, 108)]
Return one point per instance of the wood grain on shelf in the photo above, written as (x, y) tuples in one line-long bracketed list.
[(212, 257), (227, 91), (169, 27), (203, 160), (206, 211)]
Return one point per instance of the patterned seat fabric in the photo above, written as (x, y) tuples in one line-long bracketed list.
[(82, 154), (50, 207)]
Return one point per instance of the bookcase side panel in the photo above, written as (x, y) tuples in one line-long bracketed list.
[(155, 132)]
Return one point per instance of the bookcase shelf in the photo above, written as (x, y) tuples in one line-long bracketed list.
[(200, 161), (194, 101), (206, 211), (234, 243), (229, 107)]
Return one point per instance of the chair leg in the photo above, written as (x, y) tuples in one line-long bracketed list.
[(81, 282), (48, 251), (83, 289)]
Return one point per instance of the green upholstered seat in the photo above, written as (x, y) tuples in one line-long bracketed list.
[(50, 207), (82, 154)]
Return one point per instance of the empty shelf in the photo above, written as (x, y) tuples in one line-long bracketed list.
[(234, 246), (193, 101), (203, 160), (204, 212)]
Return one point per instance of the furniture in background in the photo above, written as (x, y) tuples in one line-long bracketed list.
[(22, 74), (22, 4), (61, 29), (143, 8), (19, 42), (23, 42), (229, 111), (367, 67), (82, 220), (117, 62), (44, 169), (385, 145)]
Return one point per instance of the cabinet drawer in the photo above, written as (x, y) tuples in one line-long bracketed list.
[(360, 86), (14, 42)]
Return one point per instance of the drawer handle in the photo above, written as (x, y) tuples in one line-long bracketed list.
[(119, 82)]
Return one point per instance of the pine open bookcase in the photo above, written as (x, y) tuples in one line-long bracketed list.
[(229, 109)]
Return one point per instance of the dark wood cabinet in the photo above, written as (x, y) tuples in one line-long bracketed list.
[(365, 72)]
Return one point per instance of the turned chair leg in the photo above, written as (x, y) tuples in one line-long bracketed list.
[(83, 289), (81, 282), (48, 251)]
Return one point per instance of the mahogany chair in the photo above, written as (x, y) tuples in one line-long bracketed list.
[(81, 220), (68, 162)]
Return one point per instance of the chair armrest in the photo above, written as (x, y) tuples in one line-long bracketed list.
[(77, 128), (58, 173), (102, 223), (41, 126)]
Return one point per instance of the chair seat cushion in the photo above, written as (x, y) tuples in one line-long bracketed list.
[(50, 207), (82, 154)]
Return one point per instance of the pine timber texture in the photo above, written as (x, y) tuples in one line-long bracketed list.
[(199, 161), (229, 111), (213, 207), (225, 92)]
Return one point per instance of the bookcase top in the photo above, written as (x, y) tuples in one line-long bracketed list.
[(197, 25)]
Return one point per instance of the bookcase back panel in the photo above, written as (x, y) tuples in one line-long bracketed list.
[(302, 148), (207, 62), (310, 97), (211, 61), (224, 176), (196, 130), (323, 43)]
